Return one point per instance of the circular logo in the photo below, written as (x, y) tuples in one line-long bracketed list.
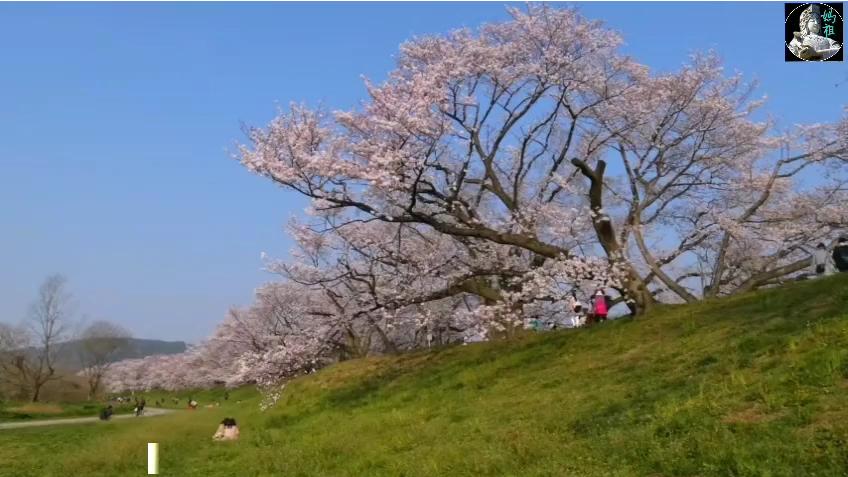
[(814, 31)]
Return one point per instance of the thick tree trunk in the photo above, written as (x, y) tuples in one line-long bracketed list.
[(389, 346), (637, 290), (639, 298), (92, 388)]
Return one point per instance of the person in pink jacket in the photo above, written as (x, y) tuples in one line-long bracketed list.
[(599, 305)]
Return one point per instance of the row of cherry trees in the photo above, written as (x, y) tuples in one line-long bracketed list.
[(494, 173)]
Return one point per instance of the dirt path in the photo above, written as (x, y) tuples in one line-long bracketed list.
[(148, 412)]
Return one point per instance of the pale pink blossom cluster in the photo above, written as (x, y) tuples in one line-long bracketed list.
[(474, 136), (191, 369), (499, 170), (280, 336)]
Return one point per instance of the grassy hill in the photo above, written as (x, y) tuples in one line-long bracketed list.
[(753, 385)]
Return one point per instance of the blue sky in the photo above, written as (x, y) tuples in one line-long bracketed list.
[(117, 122)]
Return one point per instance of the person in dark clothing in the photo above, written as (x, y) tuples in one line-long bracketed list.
[(106, 414), (840, 254), (139, 410)]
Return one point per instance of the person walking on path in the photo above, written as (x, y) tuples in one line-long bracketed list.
[(840, 254)]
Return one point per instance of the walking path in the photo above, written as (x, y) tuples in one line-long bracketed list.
[(148, 412)]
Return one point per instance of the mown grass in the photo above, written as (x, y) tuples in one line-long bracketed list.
[(753, 385), (204, 397), (28, 411)]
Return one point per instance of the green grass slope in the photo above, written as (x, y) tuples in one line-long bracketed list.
[(753, 385)]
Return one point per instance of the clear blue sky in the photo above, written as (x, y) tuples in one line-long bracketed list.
[(116, 121)]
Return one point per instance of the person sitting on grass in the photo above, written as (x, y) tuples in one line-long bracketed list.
[(227, 431)]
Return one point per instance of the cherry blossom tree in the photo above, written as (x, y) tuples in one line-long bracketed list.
[(469, 138), (271, 340), (498, 171), (504, 139), (709, 183)]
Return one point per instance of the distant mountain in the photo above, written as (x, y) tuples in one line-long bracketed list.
[(68, 356)]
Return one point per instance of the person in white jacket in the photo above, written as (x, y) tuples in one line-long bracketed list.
[(576, 319), (822, 261)]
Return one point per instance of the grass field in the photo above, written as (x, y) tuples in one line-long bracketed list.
[(16, 412), (68, 392), (753, 385)]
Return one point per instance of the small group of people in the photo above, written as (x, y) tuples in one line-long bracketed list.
[(577, 314), (599, 305), (227, 431), (107, 412), (826, 262), (139, 407)]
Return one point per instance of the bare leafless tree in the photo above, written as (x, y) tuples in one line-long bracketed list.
[(48, 321), (99, 344), (14, 344)]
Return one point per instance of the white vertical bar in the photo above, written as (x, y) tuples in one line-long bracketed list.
[(152, 458)]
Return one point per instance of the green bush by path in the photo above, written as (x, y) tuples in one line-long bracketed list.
[(754, 385)]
